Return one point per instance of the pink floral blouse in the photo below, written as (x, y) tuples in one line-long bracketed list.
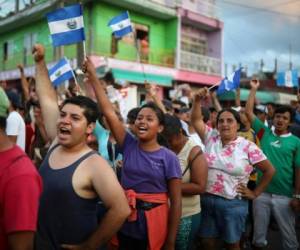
[(230, 165)]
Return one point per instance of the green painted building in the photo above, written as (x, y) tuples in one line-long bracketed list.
[(156, 25)]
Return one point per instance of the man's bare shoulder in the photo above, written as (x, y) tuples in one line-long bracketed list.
[(97, 163)]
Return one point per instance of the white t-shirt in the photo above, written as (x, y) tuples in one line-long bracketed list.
[(16, 127), (196, 138)]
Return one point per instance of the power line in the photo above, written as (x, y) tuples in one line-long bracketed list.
[(264, 9)]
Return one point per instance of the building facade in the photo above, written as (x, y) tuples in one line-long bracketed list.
[(179, 41)]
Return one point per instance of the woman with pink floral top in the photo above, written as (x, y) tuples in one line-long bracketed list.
[(230, 161)]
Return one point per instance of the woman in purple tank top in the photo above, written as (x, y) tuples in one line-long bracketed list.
[(150, 172)]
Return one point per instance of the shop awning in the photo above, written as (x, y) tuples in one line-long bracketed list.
[(139, 78), (286, 98), (262, 96)]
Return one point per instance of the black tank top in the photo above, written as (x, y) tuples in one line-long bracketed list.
[(64, 217)]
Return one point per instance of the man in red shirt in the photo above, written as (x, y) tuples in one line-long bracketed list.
[(20, 189)]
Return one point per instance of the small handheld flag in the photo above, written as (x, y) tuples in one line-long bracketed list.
[(61, 72), (66, 25), (230, 83), (288, 78), (121, 25)]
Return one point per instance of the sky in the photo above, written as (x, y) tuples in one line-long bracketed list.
[(256, 29), (253, 30)]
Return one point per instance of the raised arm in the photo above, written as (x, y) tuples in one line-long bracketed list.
[(215, 101), (104, 104), (196, 115), (238, 97), (24, 83), (40, 124), (45, 91), (151, 90), (251, 100)]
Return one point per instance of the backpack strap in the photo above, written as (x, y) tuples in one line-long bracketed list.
[(191, 162)]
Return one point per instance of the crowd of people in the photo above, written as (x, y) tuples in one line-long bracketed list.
[(184, 175)]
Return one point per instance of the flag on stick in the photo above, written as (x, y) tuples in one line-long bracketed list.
[(121, 25), (66, 25), (61, 72), (230, 83)]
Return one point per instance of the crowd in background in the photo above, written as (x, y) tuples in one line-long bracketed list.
[(182, 173)]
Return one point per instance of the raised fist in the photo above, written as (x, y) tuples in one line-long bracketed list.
[(20, 67), (38, 52), (89, 69), (254, 83), (151, 88), (201, 93)]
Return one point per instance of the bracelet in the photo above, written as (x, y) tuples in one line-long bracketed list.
[(296, 196)]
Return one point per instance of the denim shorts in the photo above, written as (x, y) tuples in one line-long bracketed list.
[(223, 218)]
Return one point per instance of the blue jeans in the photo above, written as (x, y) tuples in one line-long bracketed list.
[(223, 218), (279, 206)]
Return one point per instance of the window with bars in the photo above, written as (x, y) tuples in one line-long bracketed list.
[(8, 49), (193, 40), (29, 40)]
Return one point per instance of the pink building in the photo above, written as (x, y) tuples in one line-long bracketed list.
[(199, 51)]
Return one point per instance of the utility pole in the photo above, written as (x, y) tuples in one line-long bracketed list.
[(275, 65), (17, 6), (290, 57), (246, 70), (262, 64)]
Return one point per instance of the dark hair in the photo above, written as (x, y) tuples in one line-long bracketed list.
[(172, 126), (168, 104), (272, 104), (235, 114), (14, 99), (132, 114), (212, 109), (2, 123), (109, 77), (159, 113), (205, 114), (284, 108), (90, 108)]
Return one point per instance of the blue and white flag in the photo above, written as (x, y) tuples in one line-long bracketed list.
[(230, 83), (66, 25), (121, 25), (60, 72), (288, 78)]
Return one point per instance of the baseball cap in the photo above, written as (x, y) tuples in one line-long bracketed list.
[(261, 108), (184, 110), (237, 109)]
